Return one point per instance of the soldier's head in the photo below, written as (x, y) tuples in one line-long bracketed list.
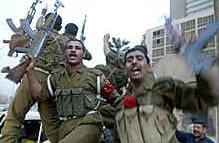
[(71, 29), (136, 62), (58, 22), (74, 52), (199, 122)]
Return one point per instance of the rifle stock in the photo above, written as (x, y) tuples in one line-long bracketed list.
[(17, 73)]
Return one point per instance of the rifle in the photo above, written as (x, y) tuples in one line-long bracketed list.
[(88, 55), (82, 37), (40, 37), (29, 17)]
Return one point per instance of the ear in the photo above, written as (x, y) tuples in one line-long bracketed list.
[(84, 55), (147, 66)]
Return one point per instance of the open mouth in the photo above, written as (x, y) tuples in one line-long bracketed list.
[(72, 55), (136, 70)]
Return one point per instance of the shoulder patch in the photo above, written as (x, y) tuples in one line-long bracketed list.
[(95, 71)]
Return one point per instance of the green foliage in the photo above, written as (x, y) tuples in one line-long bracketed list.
[(119, 45)]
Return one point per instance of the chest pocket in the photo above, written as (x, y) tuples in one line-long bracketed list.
[(74, 102), (91, 101)]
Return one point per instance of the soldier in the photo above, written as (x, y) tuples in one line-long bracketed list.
[(75, 89), (114, 71), (114, 68), (145, 112), (50, 58), (71, 31)]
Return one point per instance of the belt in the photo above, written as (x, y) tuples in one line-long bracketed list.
[(42, 70), (75, 117)]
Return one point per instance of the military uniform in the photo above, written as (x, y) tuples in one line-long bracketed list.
[(76, 100), (114, 70), (147, 115), (49, 60)]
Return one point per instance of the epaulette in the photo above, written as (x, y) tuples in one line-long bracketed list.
[(95, 71), (61, 69)]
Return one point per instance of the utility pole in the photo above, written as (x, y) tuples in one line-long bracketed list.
[(216, 13)]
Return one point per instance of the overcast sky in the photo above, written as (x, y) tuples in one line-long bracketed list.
[(128, 19)]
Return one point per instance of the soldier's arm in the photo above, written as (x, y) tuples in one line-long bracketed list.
[(199, 97), (35, 86), (106, 46), (176, 93), (108, 91), (211, 78)]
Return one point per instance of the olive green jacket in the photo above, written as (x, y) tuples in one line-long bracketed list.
[(75, 95), (50, 58), (114, 70), (153, 120)]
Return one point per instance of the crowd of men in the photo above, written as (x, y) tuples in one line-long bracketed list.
[(123, 98)]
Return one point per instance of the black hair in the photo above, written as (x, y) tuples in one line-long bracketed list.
[(58, 22), (71, 29), (140, 48)]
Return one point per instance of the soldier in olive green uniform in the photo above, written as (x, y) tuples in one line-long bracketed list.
[(114, 68), (75, 89), (71, 31), (145, 112), (50, 58)]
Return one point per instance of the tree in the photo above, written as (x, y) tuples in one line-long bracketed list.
[(118, 45)]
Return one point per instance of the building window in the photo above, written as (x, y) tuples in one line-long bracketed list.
[(158, 33), (158, 52), (170, 50), (210, 51), (211, 42), (188, 34), (189, 25), (158, 42), (155, 60), (203, 21)]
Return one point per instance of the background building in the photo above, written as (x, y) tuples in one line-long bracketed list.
[(157, 41), (183, 8)]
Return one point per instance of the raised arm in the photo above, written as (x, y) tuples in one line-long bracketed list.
[(106, 45), (35, 87)]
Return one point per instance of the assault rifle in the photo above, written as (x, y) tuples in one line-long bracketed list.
[(29, 17), (40, 37), (18, 30), (82, 37)]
